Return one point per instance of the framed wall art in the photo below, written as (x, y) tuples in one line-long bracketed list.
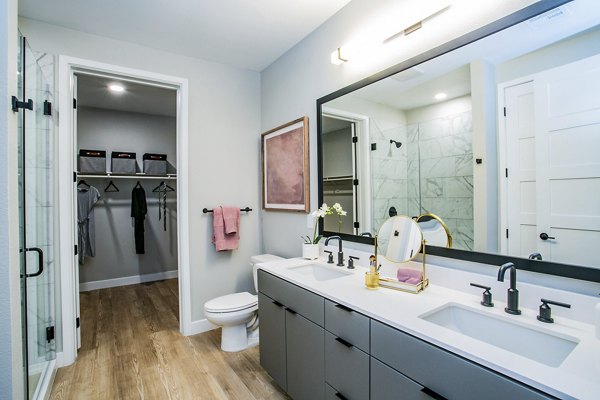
[(285, 169)]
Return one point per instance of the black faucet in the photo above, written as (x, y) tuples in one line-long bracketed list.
[(513, 293), (535, 256), (340, 262)]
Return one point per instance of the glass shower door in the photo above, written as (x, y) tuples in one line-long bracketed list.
[(36, 211)]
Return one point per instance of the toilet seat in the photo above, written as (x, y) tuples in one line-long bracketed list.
[(231, 303)]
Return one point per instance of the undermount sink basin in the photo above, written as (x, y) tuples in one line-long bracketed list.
[(547, 348), (320, 272)]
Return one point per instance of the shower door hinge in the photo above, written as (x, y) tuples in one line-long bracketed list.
[(25, 105), (75, 103), (75, 249), (49, 334), (47, 108), (356, 225), (77, 324), (373, 146), (354, 139)]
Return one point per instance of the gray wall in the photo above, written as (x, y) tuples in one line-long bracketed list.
[(291, 85), (110, 130), (11, 373), (224, 120)]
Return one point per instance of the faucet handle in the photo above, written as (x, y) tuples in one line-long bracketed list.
[(487, 295), (546, 311), (330, 257), (351, 261)]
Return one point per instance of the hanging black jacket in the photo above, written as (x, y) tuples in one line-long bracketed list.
[(138, 213)]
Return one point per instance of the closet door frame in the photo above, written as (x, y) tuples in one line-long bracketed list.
[(69, 286)]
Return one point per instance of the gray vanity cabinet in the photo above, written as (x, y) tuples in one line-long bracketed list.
[(272, 339), (293, 351), (389, 384), (442, 372)]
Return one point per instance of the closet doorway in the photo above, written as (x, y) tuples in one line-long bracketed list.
[(126, 134)]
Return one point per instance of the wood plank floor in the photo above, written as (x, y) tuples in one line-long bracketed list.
[(132, 349)]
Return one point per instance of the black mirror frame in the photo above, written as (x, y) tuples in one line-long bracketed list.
[(544, 267)]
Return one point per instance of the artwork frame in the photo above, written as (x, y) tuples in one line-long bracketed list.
[(285, 167)]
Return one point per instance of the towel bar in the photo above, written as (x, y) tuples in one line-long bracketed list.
[(206, 210)]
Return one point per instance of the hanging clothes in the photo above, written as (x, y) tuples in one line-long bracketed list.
[(138, 213), (87, 197), (162, 204)]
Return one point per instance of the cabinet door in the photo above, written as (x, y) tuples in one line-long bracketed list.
[(442, 372), (388, 384), (272, 338), (346, 368), (305, 358)]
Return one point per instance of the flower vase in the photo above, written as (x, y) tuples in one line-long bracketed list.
[(310, 251)]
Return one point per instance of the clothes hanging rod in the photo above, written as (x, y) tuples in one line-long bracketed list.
[(128, 176), (206, 210)]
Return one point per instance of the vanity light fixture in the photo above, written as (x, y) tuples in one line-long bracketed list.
[(339, 56), (426, 13), (115, 87), (440, 96)]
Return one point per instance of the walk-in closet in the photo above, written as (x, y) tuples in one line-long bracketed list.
[(126, 196)]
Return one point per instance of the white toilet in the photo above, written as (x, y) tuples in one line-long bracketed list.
[(237, 314)]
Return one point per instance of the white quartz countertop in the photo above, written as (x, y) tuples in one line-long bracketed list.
[(577, 377)]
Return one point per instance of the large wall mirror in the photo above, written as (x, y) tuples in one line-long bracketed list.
[(497, 135)]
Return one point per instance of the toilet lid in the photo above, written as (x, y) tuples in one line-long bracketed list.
[(231, 302)]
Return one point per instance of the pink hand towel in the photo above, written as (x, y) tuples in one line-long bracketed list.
[(411, 276), (221, 239), (231, 219)]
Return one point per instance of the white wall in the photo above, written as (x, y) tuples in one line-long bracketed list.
[(11, 372), (224, 127), (115, 258), (292, 84)]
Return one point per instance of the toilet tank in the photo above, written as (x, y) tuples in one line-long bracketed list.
[(261, 258)]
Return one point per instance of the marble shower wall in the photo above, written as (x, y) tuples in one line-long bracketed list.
[(440, 173)]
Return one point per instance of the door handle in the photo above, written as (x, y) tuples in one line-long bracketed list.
[(40, 261), (544, 236)]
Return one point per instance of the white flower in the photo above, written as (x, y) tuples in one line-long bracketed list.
[(342, 212)]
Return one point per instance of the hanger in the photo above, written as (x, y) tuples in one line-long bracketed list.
[(82, 182), (108, 187), (168, 188), (138, 184)]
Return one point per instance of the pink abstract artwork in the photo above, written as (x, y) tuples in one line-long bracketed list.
[(285, 167)]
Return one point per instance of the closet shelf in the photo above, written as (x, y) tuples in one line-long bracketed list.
[(139, 175)]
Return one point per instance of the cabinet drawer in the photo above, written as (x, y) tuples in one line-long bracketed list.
[(347, 324), (346, 368), (389, 384), (445, 373), (299, 300)]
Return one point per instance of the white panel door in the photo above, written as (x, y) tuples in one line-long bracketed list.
[(520, 177), (567, 103)]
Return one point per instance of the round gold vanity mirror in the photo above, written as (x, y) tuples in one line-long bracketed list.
[(435, 231), (399, 239)]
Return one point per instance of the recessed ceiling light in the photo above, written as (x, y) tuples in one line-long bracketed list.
[(440, 96), (114, 87)]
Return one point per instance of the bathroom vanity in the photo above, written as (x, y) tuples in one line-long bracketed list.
[(324, 335)]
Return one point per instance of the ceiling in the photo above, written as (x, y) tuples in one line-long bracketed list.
[(248, 34), (93, 91)]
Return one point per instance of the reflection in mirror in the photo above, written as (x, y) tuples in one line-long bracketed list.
[(435, 232), (399, 239), (510, 168)]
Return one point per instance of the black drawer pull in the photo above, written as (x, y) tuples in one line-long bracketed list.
[(340, 396), (342, 307), (278, 304), (342, 341), (432, 394), (291, 311)]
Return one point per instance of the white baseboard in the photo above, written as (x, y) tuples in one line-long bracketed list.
[(201, 326), (128, 280)]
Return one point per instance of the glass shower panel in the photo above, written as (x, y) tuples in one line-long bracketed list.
[(36, 182)]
